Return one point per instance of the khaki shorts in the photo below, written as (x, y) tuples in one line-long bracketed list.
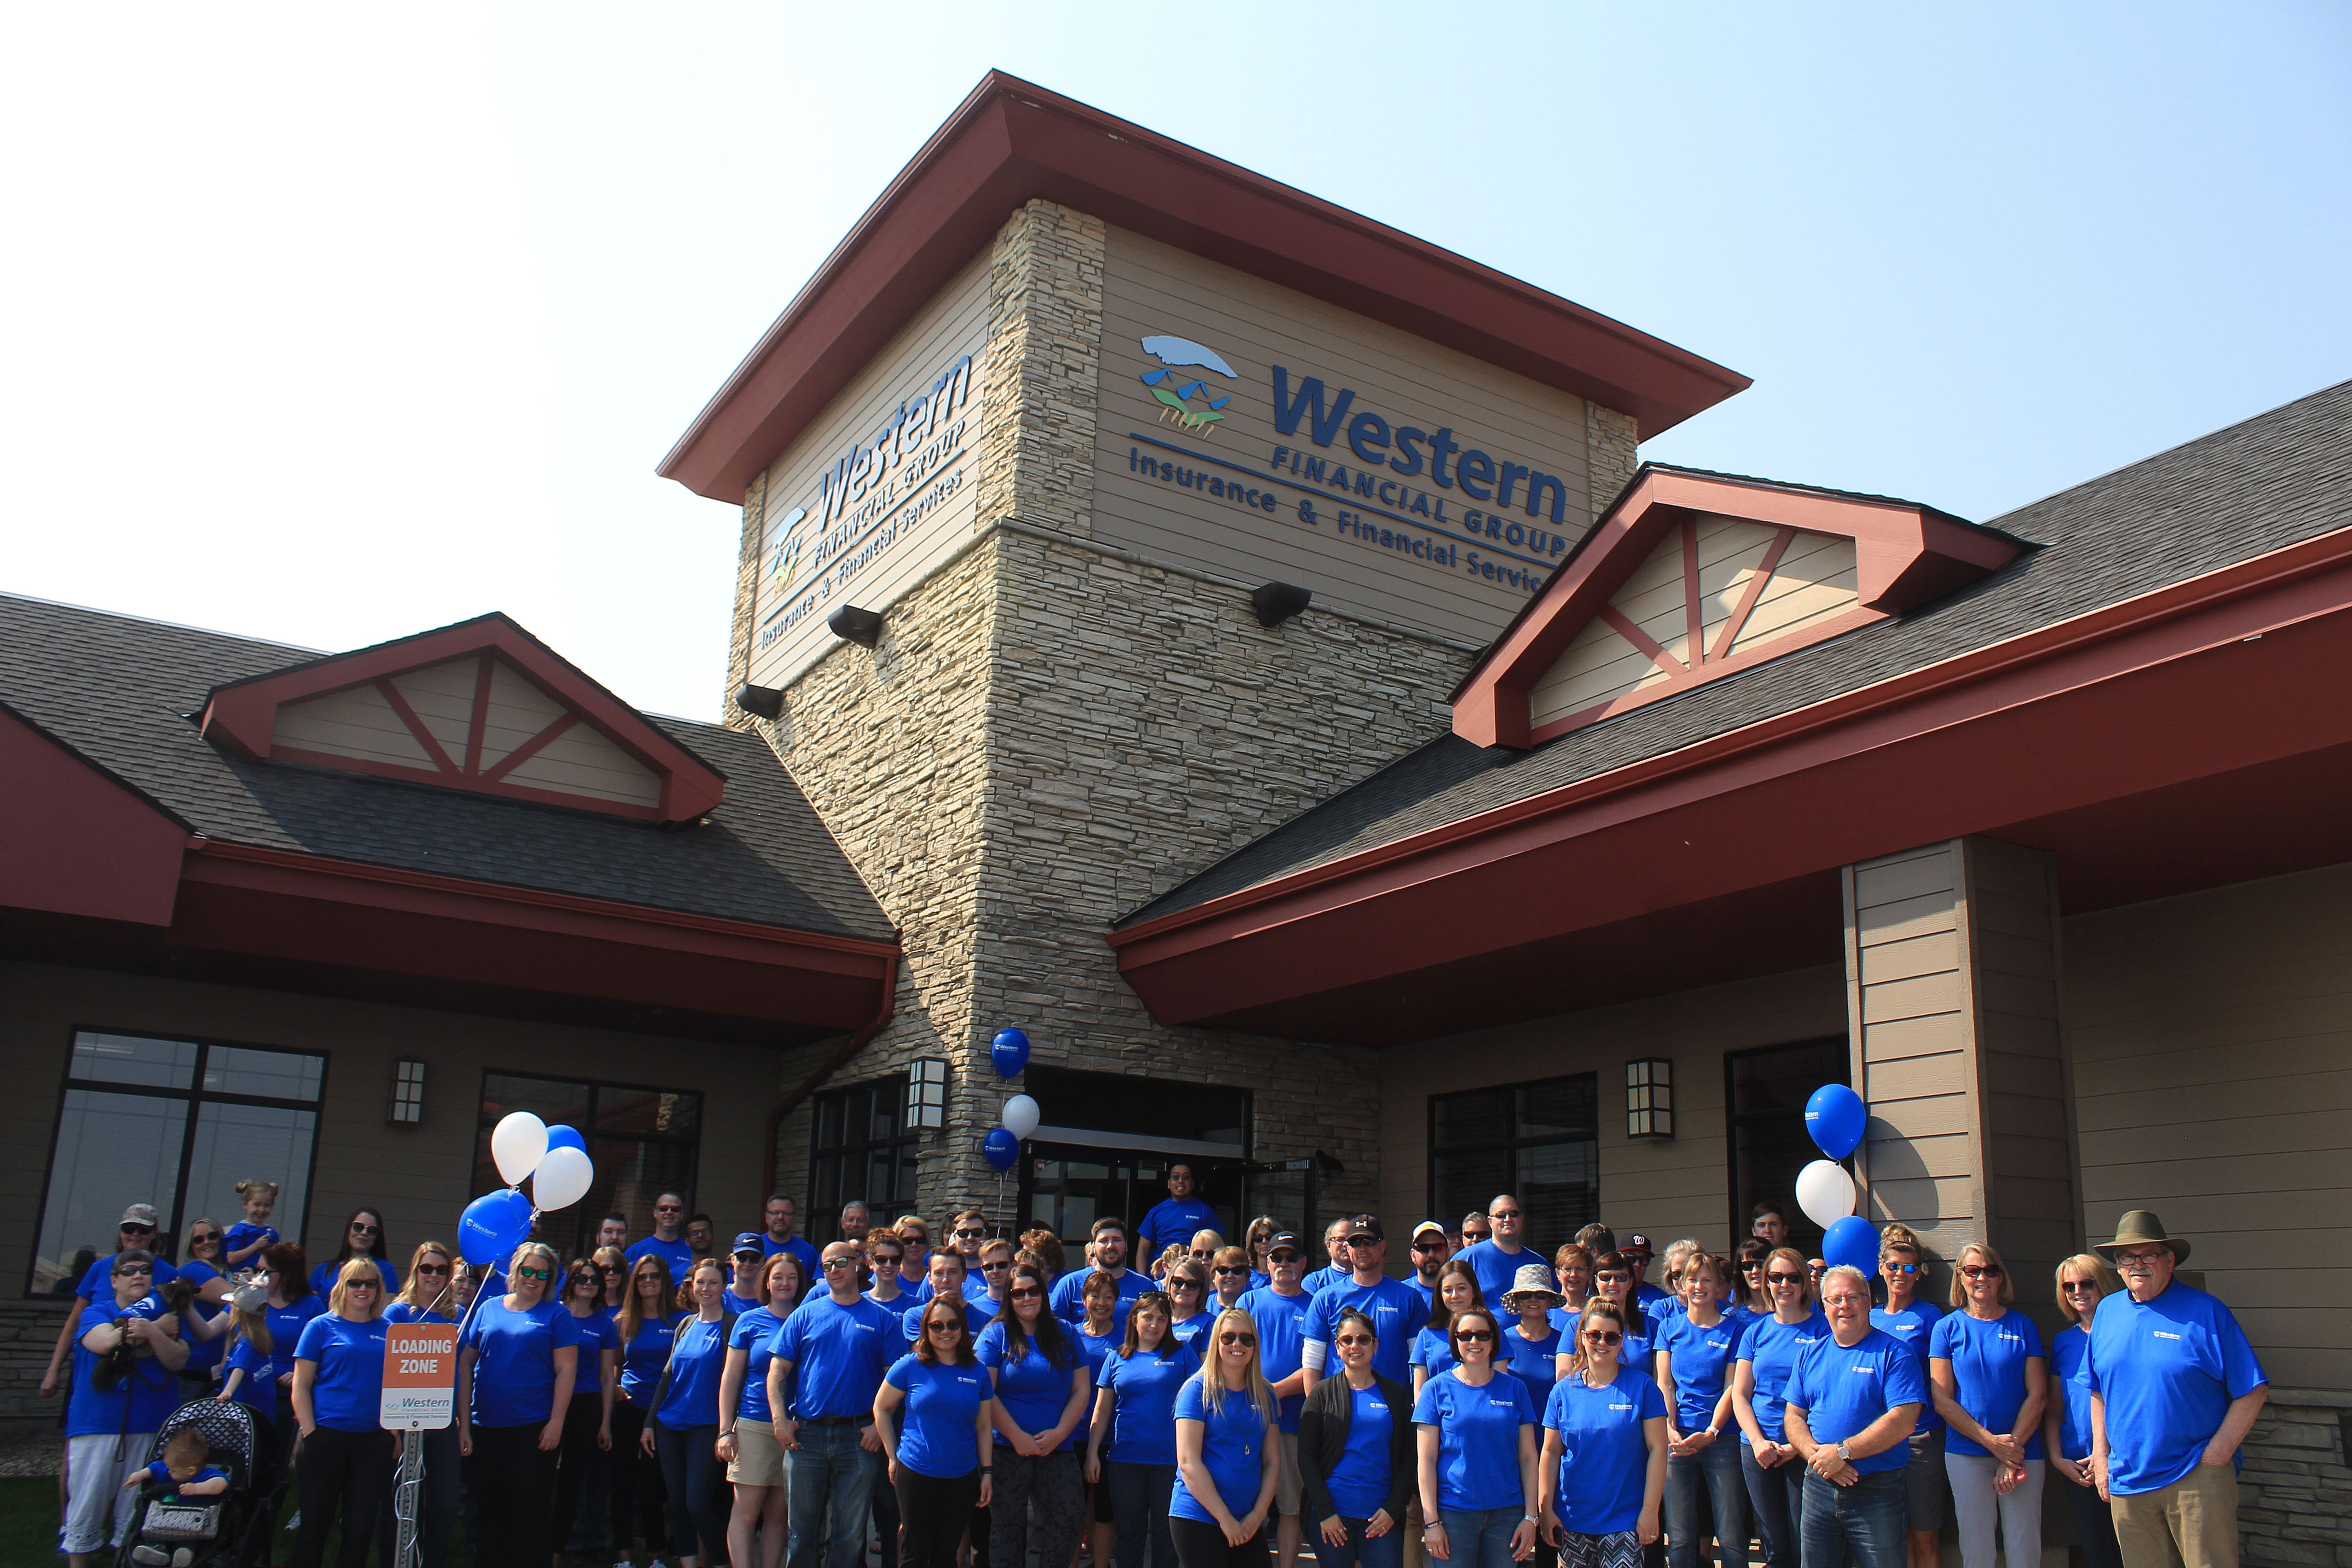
[(1287, 1491), (758, 1458)]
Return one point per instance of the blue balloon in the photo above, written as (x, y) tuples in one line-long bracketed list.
[(1835, 1116), (1010, 1052), (558, 1136), (493, 1226), (1001, 1147), (1851, 1243)]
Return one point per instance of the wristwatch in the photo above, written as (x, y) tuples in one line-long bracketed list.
[(1845, 1453)]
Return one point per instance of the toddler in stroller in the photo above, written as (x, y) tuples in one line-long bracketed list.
[(200, 1502)]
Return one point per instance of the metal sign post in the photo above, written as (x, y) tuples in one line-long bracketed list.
[(420, 1395)]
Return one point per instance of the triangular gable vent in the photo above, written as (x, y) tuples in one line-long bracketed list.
[(481, 706), (1691, 576)]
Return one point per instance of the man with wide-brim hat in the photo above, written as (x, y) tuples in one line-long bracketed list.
[(2175, 1388)]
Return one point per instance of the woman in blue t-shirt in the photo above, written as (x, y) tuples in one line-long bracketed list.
[(1131, 1444), (1099, 1337), (1356, 1454), (205, 1275), (345, 1459), (939, 1455), (1041, 1391), (1187, 1288), (1616, 1276), (588, 1420), (428, 1295), (1991, 1381), (2083, 1280), (1601, 1479), (517, 1363), (1530, 1346), (362, 1238), (1476, 1430), (1773, 1471), (1228, 1461), (682, 1431), (644, 1325), (747, 1426), (1705, 1496), (1433, 1347)]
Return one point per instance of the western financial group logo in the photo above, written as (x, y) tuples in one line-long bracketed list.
[(1177, 354), (784, 553)]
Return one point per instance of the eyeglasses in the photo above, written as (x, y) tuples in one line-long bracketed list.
[(1981, 1270), (944, 1326), (199, 1237), (1504, 1214), (965, 1234), (444, 1268), (1024, 1292), (1429, 1246), (135, 1269), (1356, 1339), (2079, 1287), (359, 1229), (135, 1230), (1229, 1270), (1604, 1336), (669, 1209), (1474, 1336), (1752, 1267), (841, 1263), (882, 1257), (373, 1284), (2139, 1261), (526, 1272), (1235, 1337), (1611, 1277), (1817, 1270), (1785, 1279), (1900, 1268), (1285, 1255), (999, 1266)]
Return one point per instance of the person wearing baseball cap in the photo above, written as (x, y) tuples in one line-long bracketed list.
[(1394, 1306), (1430, 1249), (137, 1229), (1280, 1309), (1646, 1296), (2175, 1388), (743, 1289)]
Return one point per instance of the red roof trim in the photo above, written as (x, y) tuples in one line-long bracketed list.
[(243, 716), (1011, 141), (1906, 554)]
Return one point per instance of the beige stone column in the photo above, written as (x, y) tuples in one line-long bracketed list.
[(1952, 994)]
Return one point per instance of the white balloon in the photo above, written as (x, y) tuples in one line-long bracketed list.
[(1825, 1193), (562, 1179), (518, 1143), (1021, 1116)]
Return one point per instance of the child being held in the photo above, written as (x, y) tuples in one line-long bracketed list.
[(181, 1469), (243, 1241)]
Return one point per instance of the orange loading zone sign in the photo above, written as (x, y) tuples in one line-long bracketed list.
[(420, 1376)]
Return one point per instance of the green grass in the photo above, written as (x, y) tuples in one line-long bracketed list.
[(29, 1528)]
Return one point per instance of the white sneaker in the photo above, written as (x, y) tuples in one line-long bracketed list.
[(295, 1524)]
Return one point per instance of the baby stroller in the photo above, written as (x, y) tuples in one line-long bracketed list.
[(203, 1531)]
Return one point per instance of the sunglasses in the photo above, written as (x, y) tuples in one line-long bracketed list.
[(892, 1257), (1604, 1336), (1429, 1246), (365, 1229), (1229, 1271), (999, 1266), (138, 1230), (1235, 1336), (1183, 1284), (199, 1238), (135, 1269), (528, 1273), (1505, 1214), (944, 1326), (1283, 1257), (1817, 1273), (669, 1209), (373, 1284), (1786, 1279), (963, 1234), (1474, 1337), (841, 1263), (1901, 1268), (1026, 1293), (2078, 1286), (444, 1268), (1356, 1339), (1981, 1270), (1612, 1277)]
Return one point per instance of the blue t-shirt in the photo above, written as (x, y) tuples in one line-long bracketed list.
[(1188, 1331), (149, 1390), (1173, 1220), (2070, 1381), (1031, 1388), (1397, 1314), (2168, 1370), (1498, 1270), (1433, 1351), (1772, 1347), (735, 1306), (203, 1354), (347, 1391), (97, 1286), (642, 1356), (598, 1333), (1477, 1441), (323, 1278), (975, 1323), (677, 1254), (1604, 1452), (691, 1398), (1649, 1298), (1915, 1326), (1098, 1348), (402, 1313), (812, 1275), (1281, 1344), (1233, 1450), (1701, 1365), (1067, 1299), (159, 1474), (838, 1355), (286, 1326), (1531, 1362), (1637, 1350), (242, 1234), (754, 1334), (938, 1426), (1360, 1481), (514, 1365), (258, 1389), (1143, 1388), (1987, 1373), (1842, 1390)]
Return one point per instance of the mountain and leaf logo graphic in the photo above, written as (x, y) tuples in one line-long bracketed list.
[(1175, 394)]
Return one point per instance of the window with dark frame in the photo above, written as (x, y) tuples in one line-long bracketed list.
[(859, 1148), (1764, 1093), (1540, 1142), (177, 1123), (642, 1141)]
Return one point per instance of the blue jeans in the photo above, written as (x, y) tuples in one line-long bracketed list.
[(1139, 1511), (1864, 1520), (1706, 1497), (1480, 1537), (1777, 1496), (830, 1469), (694, 1478), (1374, 1552)]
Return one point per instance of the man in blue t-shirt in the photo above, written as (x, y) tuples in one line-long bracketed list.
[(1851, 1404), (1395, 1309), (830, 1356), (780, 1216), (1646, 1296), (96, 1284), (1498, 1259), (1281, 1309), (1176, 1217), (1067, 1299), (666, 1243), (134, 1401), (2175, 1388), (1335, 1247), (1430, 1250)]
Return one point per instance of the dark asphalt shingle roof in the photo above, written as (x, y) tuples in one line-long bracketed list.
[(117, 689), (2271, 481)]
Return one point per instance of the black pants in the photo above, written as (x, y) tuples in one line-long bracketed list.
[(514, 1491), (1053, 1488), (885, 1512), (697, 1484), (1200, 1544), (937, 1511), (635, 1484), (348, 1469), (580, 1419)]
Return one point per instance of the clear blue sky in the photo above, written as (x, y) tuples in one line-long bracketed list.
[(332, 328)]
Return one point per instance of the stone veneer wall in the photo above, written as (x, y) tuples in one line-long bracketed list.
[(1052, 731), (2294, 1505)]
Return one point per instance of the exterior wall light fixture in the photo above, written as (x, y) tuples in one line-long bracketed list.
[(407, 1093), (1649, 1099), (853, 624), (927, 1094), (1278, 602), (761, 702)]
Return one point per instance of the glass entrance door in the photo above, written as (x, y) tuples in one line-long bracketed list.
[(1067, 1187)]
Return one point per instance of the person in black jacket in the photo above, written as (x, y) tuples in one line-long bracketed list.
[(1355, 1453)]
